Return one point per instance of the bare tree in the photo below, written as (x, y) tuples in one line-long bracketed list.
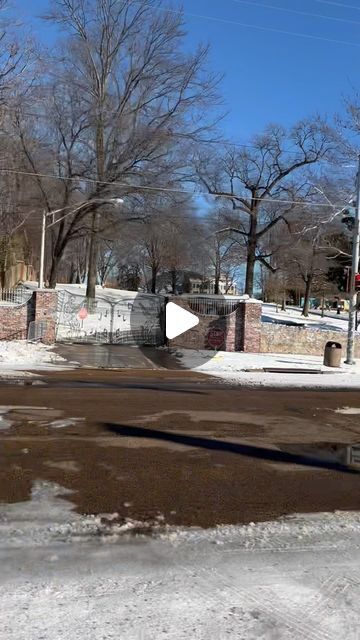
[(15, 58), (226, 249), (106, 260), (137, 87), (258, 182)]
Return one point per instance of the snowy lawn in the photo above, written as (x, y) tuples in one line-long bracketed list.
[(248, 369), (68, 576), (20, 355), (292, 316)]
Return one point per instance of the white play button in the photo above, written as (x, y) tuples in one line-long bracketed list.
[(178, 320)]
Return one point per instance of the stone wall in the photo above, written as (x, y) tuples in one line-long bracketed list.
[(277, 338), (15, 319), (238, 331)]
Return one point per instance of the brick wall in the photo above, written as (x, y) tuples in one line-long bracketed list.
[(46, 310), (15, 319), (241, 330), (252, 325), (276, 338)]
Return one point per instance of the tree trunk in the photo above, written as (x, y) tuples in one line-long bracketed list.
[(93, 258), (94, 240), (283, 304), (306, 305), (217, 275), (173, 280), (57, 254), (55, 262), (153, 279), (73, 272), (250, 270), (251, 256)]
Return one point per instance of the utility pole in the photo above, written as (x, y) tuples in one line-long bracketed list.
[(354, 270)]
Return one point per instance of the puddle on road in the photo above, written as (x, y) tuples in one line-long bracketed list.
[(346, 455)]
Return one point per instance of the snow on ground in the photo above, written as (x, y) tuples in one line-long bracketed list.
[(19, 355), (101, 292), (63, 576), (248, 369), (292, 316)]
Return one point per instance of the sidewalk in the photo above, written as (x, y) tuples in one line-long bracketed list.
[(250, 369)]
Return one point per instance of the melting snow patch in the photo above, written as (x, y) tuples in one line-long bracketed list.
[(350, 411), (67, 422)]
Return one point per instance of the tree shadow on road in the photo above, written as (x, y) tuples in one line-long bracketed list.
[(250, 451), (73, 384)]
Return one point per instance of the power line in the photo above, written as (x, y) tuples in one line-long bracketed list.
[(295, 11), (161, 189), (259, 28), (338, 4)]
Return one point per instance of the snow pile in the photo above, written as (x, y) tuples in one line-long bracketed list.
[(19, 354)]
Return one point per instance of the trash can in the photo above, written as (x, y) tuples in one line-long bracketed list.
[(332, 354)]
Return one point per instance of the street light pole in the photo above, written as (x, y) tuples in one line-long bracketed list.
[(354, 270), (42, 250), (44, 227)]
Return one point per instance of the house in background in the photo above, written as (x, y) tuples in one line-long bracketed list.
[(195, 283)]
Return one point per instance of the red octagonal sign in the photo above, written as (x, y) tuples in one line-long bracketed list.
[(216, 338)]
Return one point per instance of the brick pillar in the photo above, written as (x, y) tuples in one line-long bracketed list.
[(46, 309), (248, 336)]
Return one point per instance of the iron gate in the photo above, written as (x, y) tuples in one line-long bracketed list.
[(111, 319)]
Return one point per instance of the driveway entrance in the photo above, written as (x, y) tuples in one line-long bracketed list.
[(115, 356)]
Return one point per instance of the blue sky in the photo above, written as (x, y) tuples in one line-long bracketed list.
[(269, 77)]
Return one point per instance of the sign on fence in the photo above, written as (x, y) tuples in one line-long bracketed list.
[(216, 338)]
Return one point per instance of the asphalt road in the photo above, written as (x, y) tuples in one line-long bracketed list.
[(178, 446)]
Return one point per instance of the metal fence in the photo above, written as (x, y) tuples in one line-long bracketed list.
[(37, 330), (141, 336), (212, 306), (17, 296)]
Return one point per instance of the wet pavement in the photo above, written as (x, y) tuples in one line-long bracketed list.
[(179, 447)]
